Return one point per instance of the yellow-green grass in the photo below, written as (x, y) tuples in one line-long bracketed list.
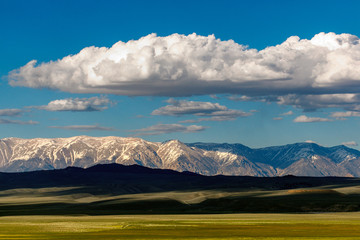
[(224, 226)]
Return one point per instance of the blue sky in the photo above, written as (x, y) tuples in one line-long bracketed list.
[(294, 90)]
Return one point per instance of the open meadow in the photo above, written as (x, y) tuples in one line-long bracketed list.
[(222, 226)]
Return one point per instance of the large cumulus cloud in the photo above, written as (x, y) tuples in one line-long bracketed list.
[(179, 65)]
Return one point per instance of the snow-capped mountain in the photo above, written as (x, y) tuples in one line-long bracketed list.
[(303, 159)]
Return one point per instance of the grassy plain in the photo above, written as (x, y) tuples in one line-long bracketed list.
[(222, 226)]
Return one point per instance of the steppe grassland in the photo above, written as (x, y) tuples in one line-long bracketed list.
[(224, 226)]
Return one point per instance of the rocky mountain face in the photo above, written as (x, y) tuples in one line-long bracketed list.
[(301, 159)]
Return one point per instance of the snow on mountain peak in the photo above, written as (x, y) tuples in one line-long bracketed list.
[(18, 154)]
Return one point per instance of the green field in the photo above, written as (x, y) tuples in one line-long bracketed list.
[(224, 226)]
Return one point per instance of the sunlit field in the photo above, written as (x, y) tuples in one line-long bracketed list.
[(225, 226)]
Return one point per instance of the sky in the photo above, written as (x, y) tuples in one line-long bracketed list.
[(260, 73)]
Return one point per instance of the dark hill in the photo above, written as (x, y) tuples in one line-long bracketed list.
[(119, 189)]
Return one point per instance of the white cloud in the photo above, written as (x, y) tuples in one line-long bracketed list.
[(214, 111), (77, 104), (341, 115), (283, 114), (324, 67), (350, 144), (214, 96), (184, 107), (84, 128), (209, 119), (190, 121), (245, 98), (306, 119), (349, 101), (287, 113), (11, 112), (167, 128), (8, 121), (309, 102), (310, 141)]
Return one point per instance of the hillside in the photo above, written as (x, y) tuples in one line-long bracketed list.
[(117, 189)]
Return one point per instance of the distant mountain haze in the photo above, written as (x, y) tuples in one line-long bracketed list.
[(300, 159)]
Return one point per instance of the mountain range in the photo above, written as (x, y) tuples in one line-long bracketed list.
[(300, 159)]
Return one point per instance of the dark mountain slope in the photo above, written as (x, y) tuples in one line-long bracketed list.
[(118, 189)]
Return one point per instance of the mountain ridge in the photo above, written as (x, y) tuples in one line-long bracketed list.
[(301, 159)]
